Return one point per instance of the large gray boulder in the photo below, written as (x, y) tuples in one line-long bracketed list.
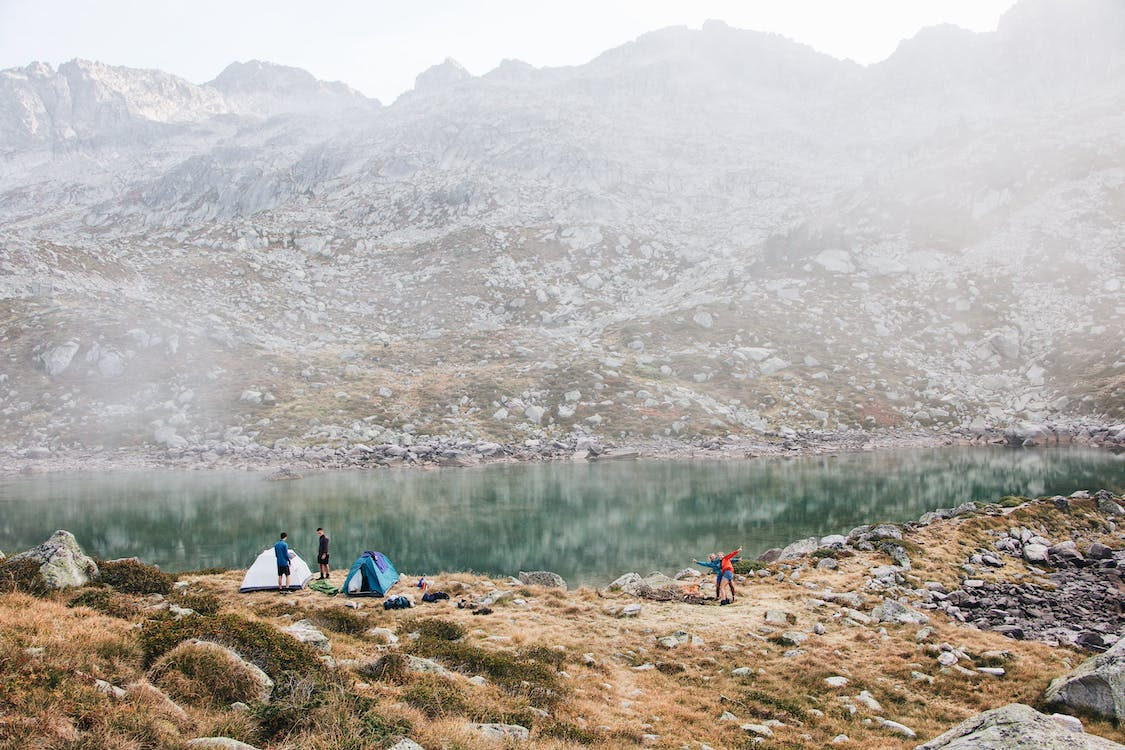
[(1097, 685), (62, 563), (1018, 727), (800, 548), (542, 578)]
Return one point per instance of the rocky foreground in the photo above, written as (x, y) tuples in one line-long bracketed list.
[(983, 626)]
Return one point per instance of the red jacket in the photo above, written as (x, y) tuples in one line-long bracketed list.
[(725, 563)]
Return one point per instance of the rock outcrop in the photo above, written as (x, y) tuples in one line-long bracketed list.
[(542, 578), (1096, 686), (62, 562), (1018, 727)]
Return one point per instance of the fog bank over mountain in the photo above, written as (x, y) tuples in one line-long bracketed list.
[(702, 232)]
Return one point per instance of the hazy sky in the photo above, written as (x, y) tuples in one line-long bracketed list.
[(378, 46)]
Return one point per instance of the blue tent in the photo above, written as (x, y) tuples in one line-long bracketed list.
[(371, 575)]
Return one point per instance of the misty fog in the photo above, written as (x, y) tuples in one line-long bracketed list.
[(701, 234)]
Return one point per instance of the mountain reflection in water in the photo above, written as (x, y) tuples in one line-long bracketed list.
[(588, 522)]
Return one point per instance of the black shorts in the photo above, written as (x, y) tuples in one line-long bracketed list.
[(322, 559), (283, 570)]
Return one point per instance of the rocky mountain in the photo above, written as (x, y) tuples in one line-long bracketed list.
[(702, 232)]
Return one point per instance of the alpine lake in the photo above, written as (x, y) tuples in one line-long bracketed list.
[(589, 522)]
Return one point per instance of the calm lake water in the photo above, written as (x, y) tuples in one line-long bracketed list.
[(588, 522)]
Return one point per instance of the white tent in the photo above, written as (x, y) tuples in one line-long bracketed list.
[(262, 575)]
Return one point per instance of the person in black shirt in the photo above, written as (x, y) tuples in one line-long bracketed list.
[(322, 554)]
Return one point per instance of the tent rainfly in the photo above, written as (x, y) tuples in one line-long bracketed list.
[(262, 575)]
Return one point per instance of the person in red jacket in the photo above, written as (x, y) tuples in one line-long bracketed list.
[(726, 575)]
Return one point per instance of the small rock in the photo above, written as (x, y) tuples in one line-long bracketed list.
[(897, 728), (218, 743), (501, 731), (406, 744), (760, 730), (307, 632), (868, 700)]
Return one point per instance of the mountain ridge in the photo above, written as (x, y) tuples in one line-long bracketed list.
[(703, 232)]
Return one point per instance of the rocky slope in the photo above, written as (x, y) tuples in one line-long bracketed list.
[(713, 232)]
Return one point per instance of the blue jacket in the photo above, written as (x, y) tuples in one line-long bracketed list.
[(281, 552), (716, 564)]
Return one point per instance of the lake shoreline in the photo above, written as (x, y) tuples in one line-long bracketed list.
[(427, 452), (877, 636)]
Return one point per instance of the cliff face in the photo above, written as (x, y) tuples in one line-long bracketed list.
[(750, 233)]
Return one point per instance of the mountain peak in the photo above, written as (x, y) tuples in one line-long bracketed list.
[(447, 73)]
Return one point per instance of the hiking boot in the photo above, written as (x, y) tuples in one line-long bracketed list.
[(724, 602)]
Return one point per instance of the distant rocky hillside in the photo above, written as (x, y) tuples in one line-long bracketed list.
[(702, 232)]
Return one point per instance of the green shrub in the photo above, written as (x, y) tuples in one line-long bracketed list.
[(204, 677), (552, 657), (204, 572), (515, 672), (435, 696), (22, 575), (340, 620), (571, 733), (392, 667), (291, 707), (275, 652), (105, 601), (202, 602), (435, 628), (746, 567), (132, 577), (381, 727), (823, 552), (783, 707)]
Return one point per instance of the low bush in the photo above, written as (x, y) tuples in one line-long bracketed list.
[(204, 572), (292, 707), (132, 577), (275, 652), (746, 567), (552, 657), (435, 696), (202, 602), (22, 575), (434, 628), (340, 620), (515, 672), (572, 733), (392, 668), (105, 601), (204, 677), (383, 727)]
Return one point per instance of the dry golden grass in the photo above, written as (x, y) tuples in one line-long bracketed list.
[(556, 652)]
